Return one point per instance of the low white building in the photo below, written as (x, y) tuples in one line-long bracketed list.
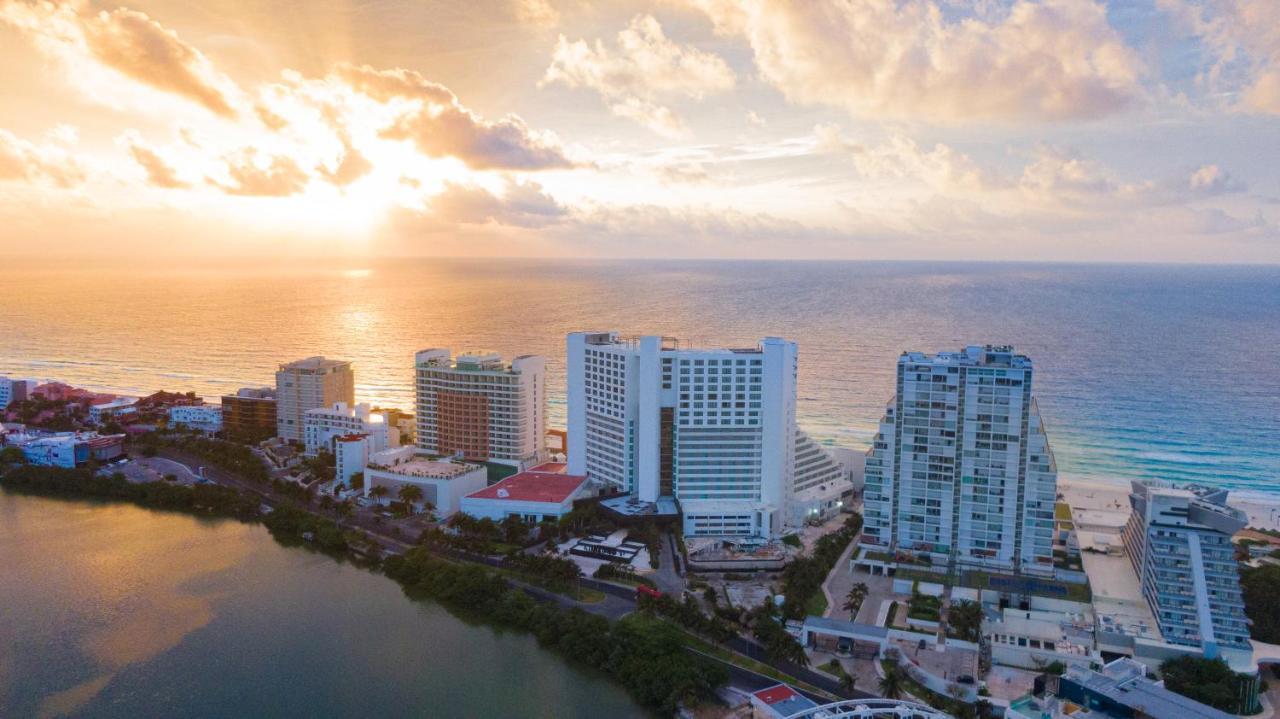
[(66, 449), (1034, 638), (321, 427), (444, 482), (202, 417), (99, 413), (544, 492)]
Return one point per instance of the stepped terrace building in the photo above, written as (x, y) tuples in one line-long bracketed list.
[(308, 384), (478, 408), (712, 431), (961, 470), (1179, 541)]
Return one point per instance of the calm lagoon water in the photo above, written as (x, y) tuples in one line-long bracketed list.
[(116, 611), (1142, 371)]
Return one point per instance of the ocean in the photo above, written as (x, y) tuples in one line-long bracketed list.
[(1142, 371)]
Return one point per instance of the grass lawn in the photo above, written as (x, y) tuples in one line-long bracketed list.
[(817, 604)]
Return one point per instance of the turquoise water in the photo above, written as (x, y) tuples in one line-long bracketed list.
[(1142, 371), (116, 611)]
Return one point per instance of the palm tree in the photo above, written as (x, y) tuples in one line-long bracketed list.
[(891, 682), (410, 493), (848, 682), (379, 492), (965, 617), (854, 600)]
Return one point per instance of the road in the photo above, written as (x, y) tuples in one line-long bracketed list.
[(618, 602), (364, 519)]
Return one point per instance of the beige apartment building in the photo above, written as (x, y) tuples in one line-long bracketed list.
[(312, 383)]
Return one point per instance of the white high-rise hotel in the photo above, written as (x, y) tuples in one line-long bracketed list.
[(714, 429), (961, 468)]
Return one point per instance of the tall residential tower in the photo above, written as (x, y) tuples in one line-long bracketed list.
[(961, 469), (713, 429), (312, 383)]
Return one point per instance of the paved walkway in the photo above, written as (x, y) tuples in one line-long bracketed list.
[(666, 576), (839, 582)]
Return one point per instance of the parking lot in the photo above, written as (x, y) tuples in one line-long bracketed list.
[(152, 469)]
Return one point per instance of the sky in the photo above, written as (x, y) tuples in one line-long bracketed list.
[(1059, 130)]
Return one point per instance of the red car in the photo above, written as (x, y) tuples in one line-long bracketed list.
[(648, 591)]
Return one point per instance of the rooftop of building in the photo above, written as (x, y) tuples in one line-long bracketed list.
[(1118, 603), (534, 485), (844, 626), (784, 700), (405, 462), (37, 438), (342, 409), (669, 344), (253, 393), (1071, 632), (627, 505), (314, 363), (1207, 506), (1124, 681), (973, 356), (112, 402), (472, 360)]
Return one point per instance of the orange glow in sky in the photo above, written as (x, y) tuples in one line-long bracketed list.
[(914, 129)]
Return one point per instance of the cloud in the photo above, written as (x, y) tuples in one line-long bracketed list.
[(352, 167), (1056, 195), (1245, 36), (522, 204), (128, 42), (642, 69), (1209, 180), (249, 175), (1047, 60), (901, 158), (26, 161), (159, 172), (438, 124), (538, 13)]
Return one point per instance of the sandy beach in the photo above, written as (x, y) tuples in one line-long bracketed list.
[(1263, 511)]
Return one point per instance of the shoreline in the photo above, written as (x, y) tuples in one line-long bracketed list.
[(1262, 508), (1257, 504)]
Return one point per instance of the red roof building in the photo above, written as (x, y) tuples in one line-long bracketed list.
[(780, 701), (544, 492)]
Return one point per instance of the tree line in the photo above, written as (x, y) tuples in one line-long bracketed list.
[(645, 655)]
